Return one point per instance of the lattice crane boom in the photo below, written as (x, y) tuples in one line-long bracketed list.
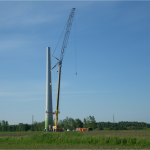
[(67, 33)]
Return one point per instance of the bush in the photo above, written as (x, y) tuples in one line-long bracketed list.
[(115, 128), (131, 128), (98, 129)]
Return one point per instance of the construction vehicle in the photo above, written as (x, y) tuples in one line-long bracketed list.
[(64, 46)]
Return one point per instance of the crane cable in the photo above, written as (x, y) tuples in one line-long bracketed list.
[(54, 52), (75, 47), (59, 40), (53, 55), (74, 44)]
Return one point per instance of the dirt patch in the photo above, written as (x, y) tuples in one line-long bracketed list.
[(107, 133), (17, 134), (104, 133)]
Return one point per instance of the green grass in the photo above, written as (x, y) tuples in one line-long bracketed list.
[(73, 140), (63, 147)]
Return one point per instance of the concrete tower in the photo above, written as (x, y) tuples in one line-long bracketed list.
[(49, 115)]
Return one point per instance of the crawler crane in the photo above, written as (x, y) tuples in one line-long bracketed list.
[(64, 46)]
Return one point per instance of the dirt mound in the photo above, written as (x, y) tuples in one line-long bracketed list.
[(98, 129)]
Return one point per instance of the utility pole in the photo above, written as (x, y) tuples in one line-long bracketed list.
[(113, 119), (32, 119)]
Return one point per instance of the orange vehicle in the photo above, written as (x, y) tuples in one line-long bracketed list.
[(82, 129)]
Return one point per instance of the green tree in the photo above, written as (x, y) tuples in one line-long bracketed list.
[(60, 124), (21, 127), (79, 123), (72, 123), (0, 126), (66, 123), (99, 125), (10, 128), (4, 127), (92, 122), (89, 122), (85, 125), (13, 128), (26, 127)]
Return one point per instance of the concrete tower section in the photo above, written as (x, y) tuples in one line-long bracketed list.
[(49, 115)]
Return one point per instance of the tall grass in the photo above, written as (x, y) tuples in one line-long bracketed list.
[(77, 138)]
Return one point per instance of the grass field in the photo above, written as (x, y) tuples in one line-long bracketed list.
[(76, 140)]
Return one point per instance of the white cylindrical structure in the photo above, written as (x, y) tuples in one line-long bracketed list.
[(49, 110)]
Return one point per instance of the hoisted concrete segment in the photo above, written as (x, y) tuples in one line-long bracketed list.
[(49, 115)]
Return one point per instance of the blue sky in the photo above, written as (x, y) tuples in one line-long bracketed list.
[(111, 40)]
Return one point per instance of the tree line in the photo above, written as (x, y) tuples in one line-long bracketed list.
[(75, 123)]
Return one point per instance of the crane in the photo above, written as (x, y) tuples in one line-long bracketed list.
[(63, 49)]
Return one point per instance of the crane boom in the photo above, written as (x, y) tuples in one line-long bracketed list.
[(64, 46)]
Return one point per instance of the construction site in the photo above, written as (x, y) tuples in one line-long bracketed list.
[(49, 114), (49, 127)]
